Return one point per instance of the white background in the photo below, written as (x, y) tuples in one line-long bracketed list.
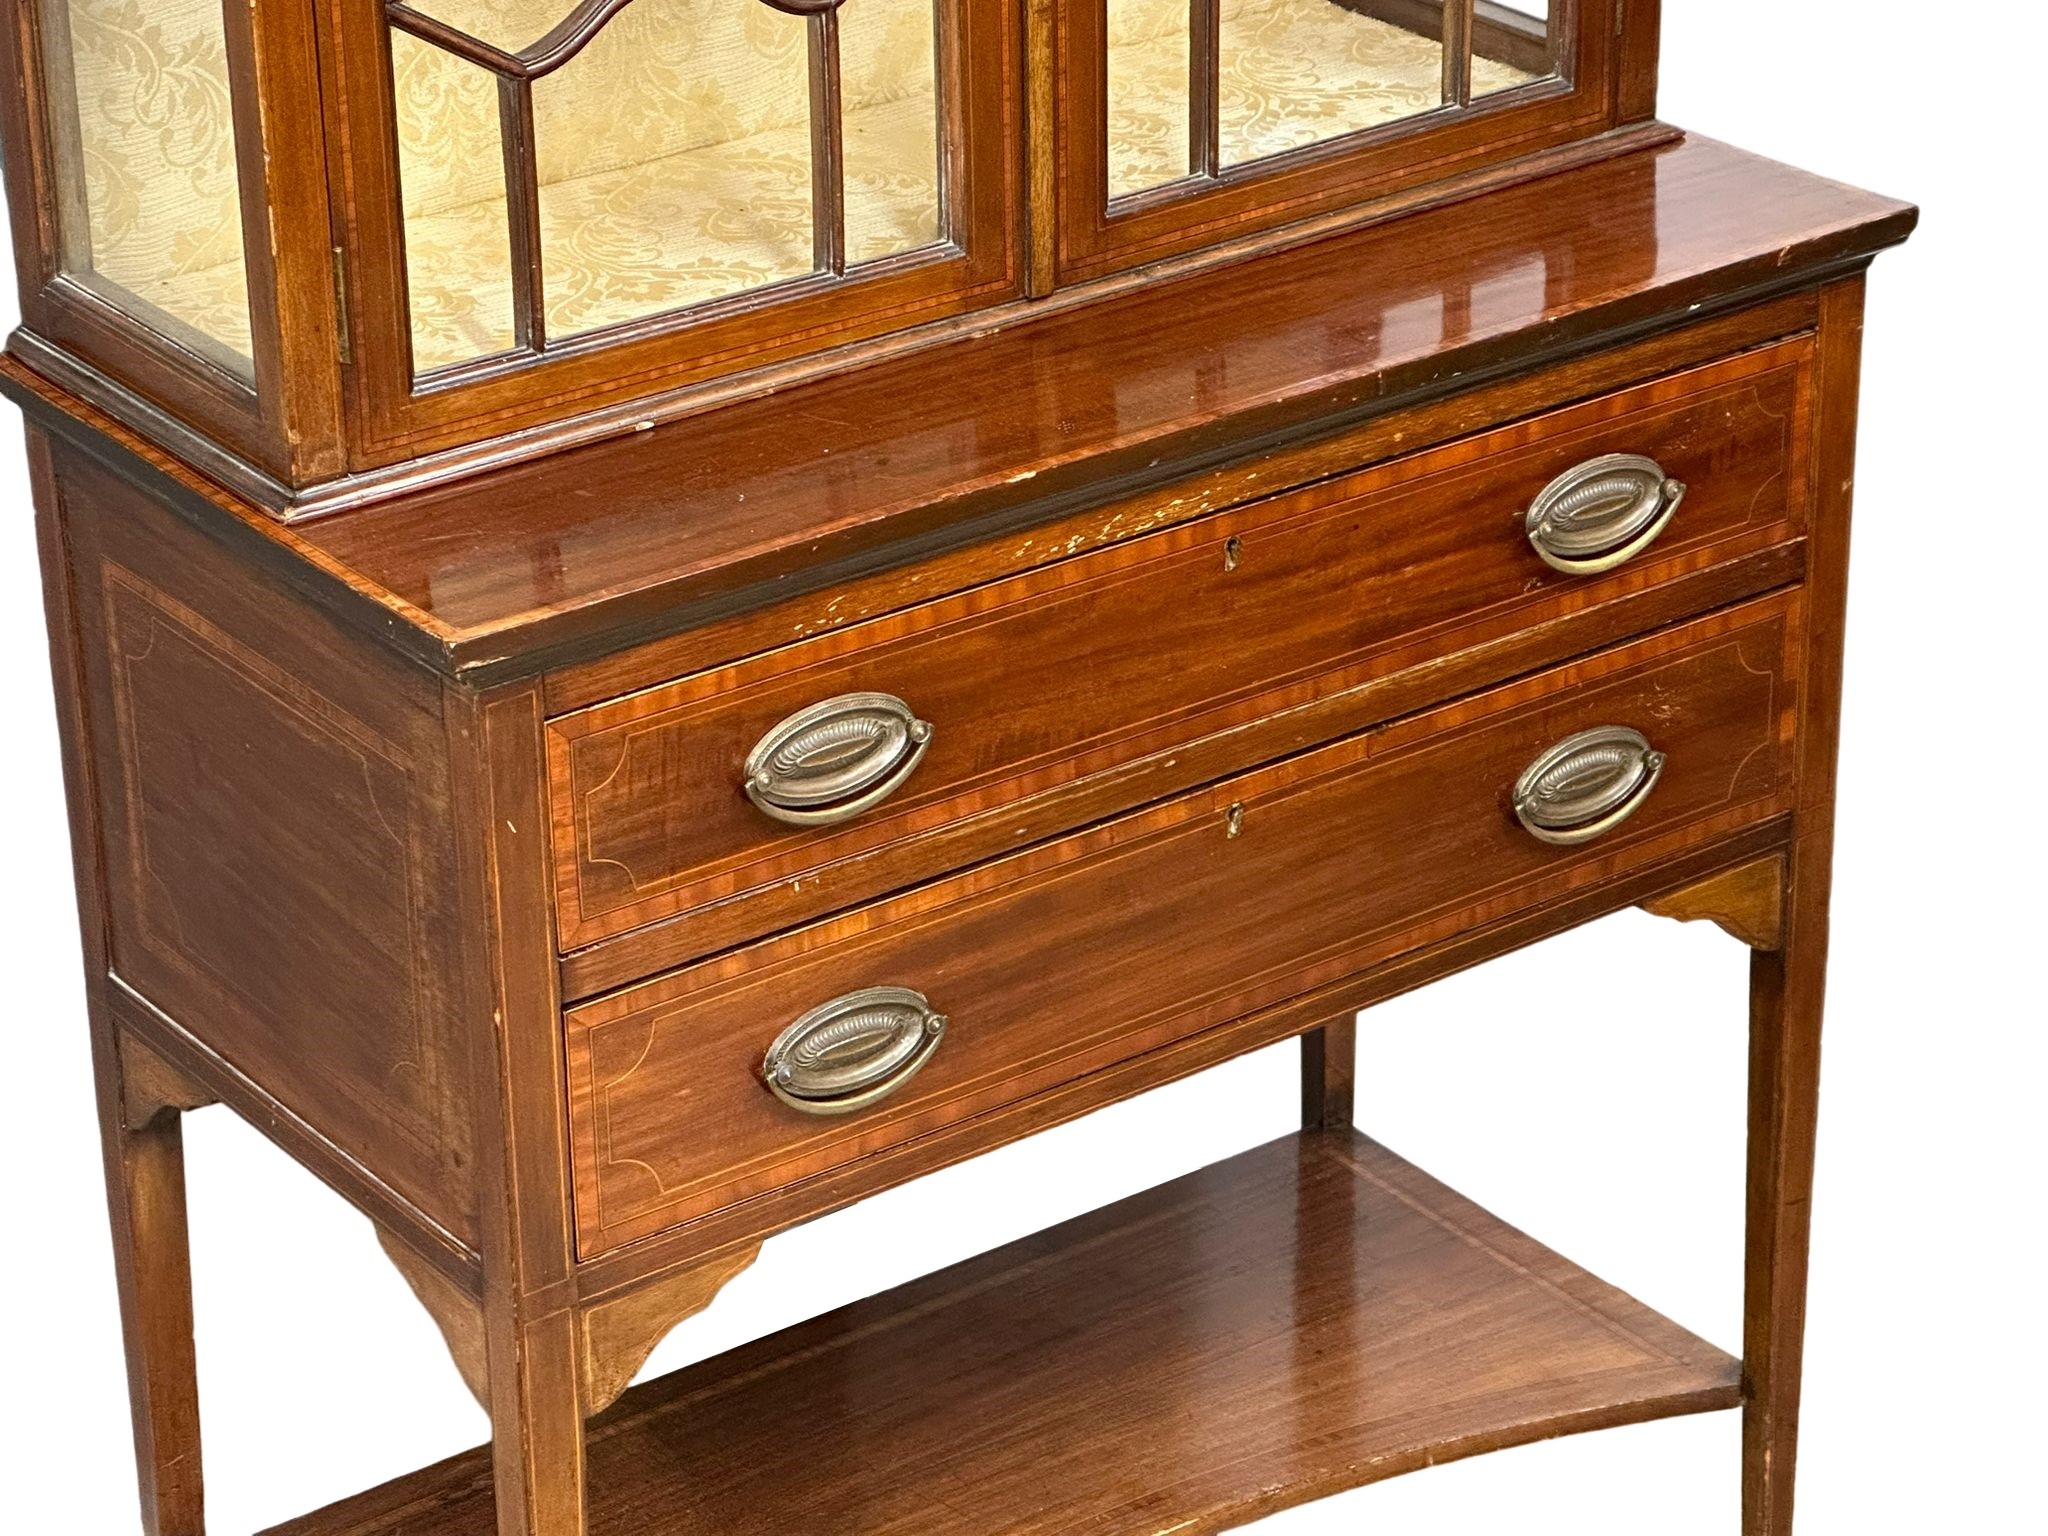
[(1589, 1091)]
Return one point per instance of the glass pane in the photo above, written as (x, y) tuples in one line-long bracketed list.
[(1513, 43), (888, 91), (508, 25), (451, 170), (1297, 72), (147, 141), (675, 161), (1148, 94)]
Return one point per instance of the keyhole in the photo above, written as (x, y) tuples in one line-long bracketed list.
[(1233, 551), (1233, 820)]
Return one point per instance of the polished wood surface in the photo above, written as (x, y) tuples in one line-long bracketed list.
[(1746, 903), (142, 1144), (978, 264), (1293, 598), (334, 406), (787, 1206), (685, 523), (1058, 962), (533, 1355), (1297, 462), (1329, 1071), (1306, 1317), (1214, 581), (1788, 984), (284, 426), (219, 712), (1579, 102)]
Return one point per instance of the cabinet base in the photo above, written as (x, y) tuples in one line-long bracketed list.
[(1304, 1318)]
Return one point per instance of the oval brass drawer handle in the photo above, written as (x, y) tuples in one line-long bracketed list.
[(853, 1051), (1587, 785), (835, 760), (1602, 513)]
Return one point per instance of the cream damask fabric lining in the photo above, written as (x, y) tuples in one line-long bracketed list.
[(1291, 73), (675, 162), (156, 149), (672, 233), (675, 151)]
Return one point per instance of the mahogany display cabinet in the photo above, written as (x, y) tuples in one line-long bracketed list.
[(669, 613)]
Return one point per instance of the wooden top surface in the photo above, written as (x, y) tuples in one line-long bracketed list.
[(763, 498), (1309, 1316)]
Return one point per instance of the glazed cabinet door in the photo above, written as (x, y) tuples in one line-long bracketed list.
[(1184, 122), (559, 202), (167, 184)]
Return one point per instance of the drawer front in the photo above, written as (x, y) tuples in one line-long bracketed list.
[(1074, 955), (1041, 692)]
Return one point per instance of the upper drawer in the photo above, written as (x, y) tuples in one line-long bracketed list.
[(1070, 692), (1091, 950)]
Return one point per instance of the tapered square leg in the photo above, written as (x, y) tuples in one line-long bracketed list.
[(534, 1364), (140, 1102), (1787, 985), (537, 1426), (1785, 1017), (145, 1168)]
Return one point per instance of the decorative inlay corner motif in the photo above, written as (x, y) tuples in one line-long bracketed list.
[(1747, 902)]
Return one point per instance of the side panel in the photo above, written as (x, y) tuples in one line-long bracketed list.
[(280, 868)]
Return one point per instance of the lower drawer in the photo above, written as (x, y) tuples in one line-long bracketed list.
[(1008, 980)]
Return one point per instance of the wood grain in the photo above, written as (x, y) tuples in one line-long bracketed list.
[(1329, 1069), (980, 264), (615, 1334), (273, 420), (1063, 960), (532, 1350), (153, 1267), (142, 1146), (1307, 1317), (910, 459), (1210, 575), (1277, 469), (150, 1085), (1344, 174), (333, 393), (1288, 599), (220, 711), (1747, 903), (1788, 985), (455, 1310), (620, 1332)]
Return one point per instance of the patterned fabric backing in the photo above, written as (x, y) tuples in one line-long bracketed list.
[(1291, 73), (673, 233), (675, 151), (156, 144)]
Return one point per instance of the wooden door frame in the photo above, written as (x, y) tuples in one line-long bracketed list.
[(283, 422), (398, 418), (1092, 240)]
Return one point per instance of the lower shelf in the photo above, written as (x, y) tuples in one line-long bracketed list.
[(1309, 1316)]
